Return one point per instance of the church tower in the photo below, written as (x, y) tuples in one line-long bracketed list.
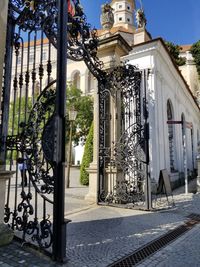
[(123, 13)]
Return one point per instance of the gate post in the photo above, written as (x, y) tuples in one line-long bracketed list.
[(59, 225), (148, 200), (7, 27)]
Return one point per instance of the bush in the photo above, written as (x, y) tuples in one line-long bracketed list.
[(87, 158), (195, 51), (175, 51)]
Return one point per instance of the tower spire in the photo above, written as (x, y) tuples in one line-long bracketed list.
[(123, 13)]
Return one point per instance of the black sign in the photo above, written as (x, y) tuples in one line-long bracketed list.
[(164, 184)]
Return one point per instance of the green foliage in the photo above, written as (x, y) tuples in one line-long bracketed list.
[(17, 114), (84, 107), (87, 158), (175, 51), (16, 120), (195, 51)]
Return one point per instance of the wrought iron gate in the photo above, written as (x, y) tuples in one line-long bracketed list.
[(39, 34), (123, 138)]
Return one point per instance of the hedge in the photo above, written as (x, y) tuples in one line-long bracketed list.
[(87, 158)]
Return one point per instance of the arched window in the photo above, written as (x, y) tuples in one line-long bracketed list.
[(76, 80), (91, 83), (37, 88), (170, 117)]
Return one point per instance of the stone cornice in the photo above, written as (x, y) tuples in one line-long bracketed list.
[(114, 40)]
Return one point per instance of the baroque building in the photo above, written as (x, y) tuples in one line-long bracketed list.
[(172, 92)]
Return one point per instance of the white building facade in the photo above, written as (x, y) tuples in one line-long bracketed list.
[(169, 99)]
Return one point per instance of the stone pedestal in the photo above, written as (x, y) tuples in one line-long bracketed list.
[(198, 177), (6, 234), (93, 183), (141, 36)]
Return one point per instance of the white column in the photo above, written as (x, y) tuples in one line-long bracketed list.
[(3, 25)]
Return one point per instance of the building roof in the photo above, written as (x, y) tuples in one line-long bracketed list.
[(185, 48), (100, 32), (38, 42), (114, 30)]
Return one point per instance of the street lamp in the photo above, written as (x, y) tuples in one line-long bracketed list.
[(72, 118)]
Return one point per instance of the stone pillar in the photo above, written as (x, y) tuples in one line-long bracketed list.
[(141, 36), (3, 24), (4, 176), (6, 234), (93, 169)]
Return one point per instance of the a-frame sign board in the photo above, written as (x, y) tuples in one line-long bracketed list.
[(164, 185)]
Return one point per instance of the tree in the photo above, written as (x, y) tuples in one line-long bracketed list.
[(84, 107), (87, 158), (17, 114), (17, 118), (175, 53), (195, 51)]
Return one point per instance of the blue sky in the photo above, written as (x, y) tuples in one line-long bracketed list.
[(177, 21)]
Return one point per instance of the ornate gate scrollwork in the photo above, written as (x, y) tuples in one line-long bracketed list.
[(29, 132), (35, 144), (123, 145)]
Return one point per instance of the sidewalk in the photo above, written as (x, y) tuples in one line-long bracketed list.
[(99, 235)]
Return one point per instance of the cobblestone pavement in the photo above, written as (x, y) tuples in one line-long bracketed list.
[(100, 235), (14, 256), (182, 252)]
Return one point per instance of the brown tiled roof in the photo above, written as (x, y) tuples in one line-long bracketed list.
[(116, 29), (100, 32), (185, 48), (38, 42)]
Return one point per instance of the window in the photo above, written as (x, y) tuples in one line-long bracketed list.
[(44, 55), (31, 58), (128, 7), (19, 60), (120, 6), (37, 88), (77, 80), (128, 20), (170, 135), (120, 19), (91, 83)]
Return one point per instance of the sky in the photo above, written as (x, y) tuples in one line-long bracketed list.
[(177, 21)]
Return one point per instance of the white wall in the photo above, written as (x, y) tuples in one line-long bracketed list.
[(165, 83)]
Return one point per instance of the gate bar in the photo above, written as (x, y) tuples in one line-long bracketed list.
[(59, 224), (148, 203)]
